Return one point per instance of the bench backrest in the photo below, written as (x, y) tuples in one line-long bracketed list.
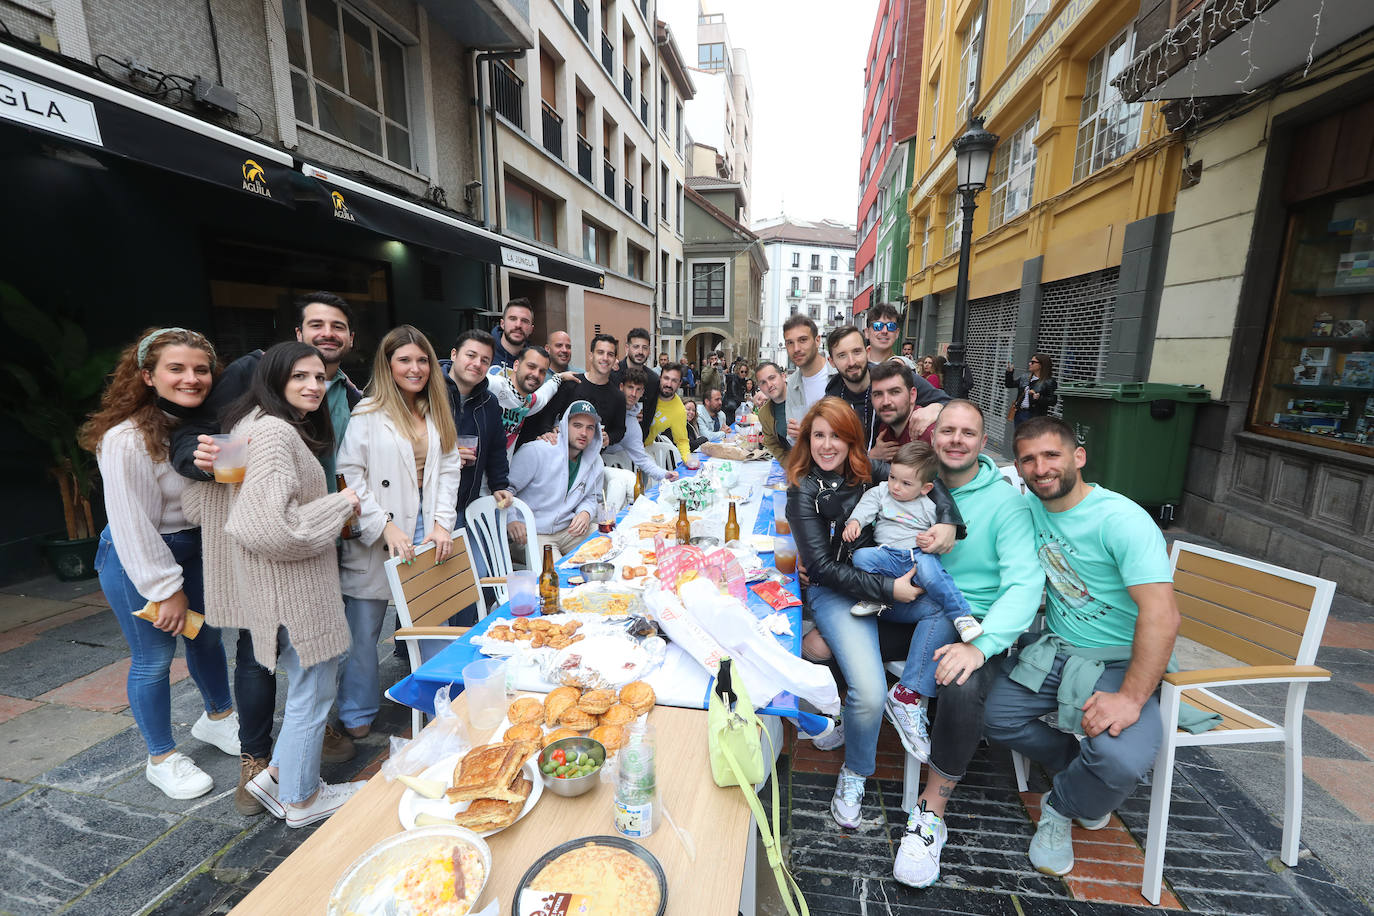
[(427, 595), (1255, 612)]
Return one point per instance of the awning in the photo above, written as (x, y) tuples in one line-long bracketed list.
[(1227, 47), (46, 97), (398, 218)]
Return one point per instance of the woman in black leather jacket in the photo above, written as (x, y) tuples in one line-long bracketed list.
[(829, 471), (1035, 391)]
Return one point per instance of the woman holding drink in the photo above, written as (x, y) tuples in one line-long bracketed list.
[(401, 455), (271, 563), (829, 470), (150, 550)]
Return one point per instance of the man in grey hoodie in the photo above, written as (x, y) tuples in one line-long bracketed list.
[(560, 482)]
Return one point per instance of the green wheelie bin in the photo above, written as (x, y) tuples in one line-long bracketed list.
[(1136, 435)]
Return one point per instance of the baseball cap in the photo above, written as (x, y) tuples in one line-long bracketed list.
[(578, 407)]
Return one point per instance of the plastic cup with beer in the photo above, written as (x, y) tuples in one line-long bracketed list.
[(232, 460), (785, 553), (469, 443), (780, 523)]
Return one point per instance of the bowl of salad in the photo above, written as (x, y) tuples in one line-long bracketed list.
[(569, 766)]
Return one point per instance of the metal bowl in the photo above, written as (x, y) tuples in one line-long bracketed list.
[(366, 886), (597, 572), (571, 788), (705, 542)]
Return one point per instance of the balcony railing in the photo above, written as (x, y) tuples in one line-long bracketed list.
[(553, 130), (795, 293), (584, 157), (608, 173), (627, 83), (582, 14), (607, 55), (644, 109), (629, 198), (508, 94), (644, 209)]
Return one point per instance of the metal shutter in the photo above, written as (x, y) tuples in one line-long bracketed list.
[(991, 329), (1076, 325)]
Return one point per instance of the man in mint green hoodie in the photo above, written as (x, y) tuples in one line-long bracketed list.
[(995, 567), (1112, 620)]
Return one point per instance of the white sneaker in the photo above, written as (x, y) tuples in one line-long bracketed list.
[(968, 626), (1096, 824), (918, 858), (328, 799), (222, 733), (911, 723), (866, 608), (848, 797), (178, 776), (831, 738), (264, 788)]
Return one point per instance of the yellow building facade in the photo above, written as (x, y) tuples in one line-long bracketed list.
[(1071, 236)]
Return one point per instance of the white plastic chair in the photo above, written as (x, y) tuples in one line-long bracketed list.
[(664, 454), (618, 459), (618, 488), (1013, 476), (426, 596), (487, 531)]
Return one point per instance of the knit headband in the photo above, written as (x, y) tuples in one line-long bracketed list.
[(147, 342)]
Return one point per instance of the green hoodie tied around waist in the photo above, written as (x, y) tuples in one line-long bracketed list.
[(1078, 680)]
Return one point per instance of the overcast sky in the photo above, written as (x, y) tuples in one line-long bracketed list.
[(806, 60)]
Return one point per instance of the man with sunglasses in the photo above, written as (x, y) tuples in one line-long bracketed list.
[(882, 332)]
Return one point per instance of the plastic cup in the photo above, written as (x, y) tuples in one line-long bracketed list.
[(232, 460), (780, 522), (785, 554), (522, 587), (469, 443), (484, 683)]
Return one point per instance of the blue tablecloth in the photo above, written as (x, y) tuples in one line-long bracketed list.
[(445, 668)]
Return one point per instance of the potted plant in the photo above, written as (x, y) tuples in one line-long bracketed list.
[(49, 392)]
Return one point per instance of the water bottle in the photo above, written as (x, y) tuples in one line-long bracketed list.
[(636, 788)]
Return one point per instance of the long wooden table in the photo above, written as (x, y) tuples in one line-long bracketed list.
[(717, 819)]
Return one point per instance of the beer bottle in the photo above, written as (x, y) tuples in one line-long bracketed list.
[(684, 527), (548, 584), (731, 525), (350, 528), (639, 489)]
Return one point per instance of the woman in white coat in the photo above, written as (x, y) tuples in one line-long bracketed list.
[(400, 455)]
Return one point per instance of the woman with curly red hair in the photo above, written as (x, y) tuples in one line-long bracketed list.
[(151, 551), (829, 470)]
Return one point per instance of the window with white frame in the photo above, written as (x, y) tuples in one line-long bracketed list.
[(952, 223), (348, 77), (1013, 174), (934, 115), (708, 290), (970, 54), (925, 242), (1108, 125), (796, 259), (815, 284), (1025, 16)]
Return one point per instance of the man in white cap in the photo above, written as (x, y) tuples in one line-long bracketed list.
[(560, 482)]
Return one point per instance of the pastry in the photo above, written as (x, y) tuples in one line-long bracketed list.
[(525, 709), (525, 731), (494, 814), (557, 702), (619, 714), (489, 770), (596, 701), (612, 737), (577, 718), (639, 695), (559, 733)]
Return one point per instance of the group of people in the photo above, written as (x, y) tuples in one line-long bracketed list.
[(912, 546)]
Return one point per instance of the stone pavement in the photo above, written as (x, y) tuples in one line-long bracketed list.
[(83, 832)]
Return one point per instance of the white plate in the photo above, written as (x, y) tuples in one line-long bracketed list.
[(412, 803)]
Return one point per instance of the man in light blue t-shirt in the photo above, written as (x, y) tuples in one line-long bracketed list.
[(1112, 621)]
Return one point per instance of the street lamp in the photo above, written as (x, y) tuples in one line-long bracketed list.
[(973, 157)]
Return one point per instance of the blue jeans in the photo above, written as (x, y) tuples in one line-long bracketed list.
[(942, 595), (149, 685), (1092, 777), (309, 692), (854, 642)]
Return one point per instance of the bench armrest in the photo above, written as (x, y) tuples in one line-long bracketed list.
[(1204, 677), (431, 632)]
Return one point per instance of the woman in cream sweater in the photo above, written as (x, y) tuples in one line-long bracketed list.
[(401, 455), (270, 559), (150, 551)]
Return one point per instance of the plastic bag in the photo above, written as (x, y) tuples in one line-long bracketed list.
[(445, 736)]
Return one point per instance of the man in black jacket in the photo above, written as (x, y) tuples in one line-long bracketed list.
[(849, 356), (324, 321)]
